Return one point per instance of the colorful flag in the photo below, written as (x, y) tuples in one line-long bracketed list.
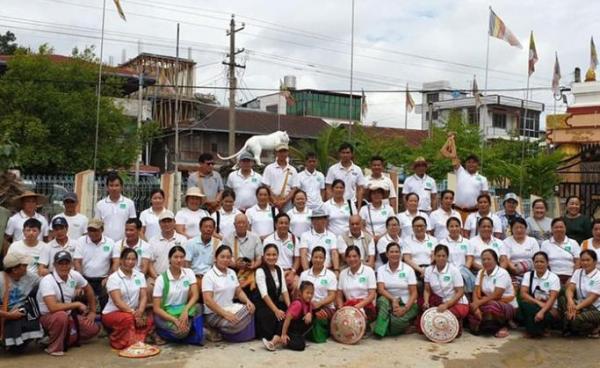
[(476, 93), (499, 30), (593, 55), (285, 92), (533, 56), (410, 103), (363, 104), (556, 77), (119, 9)]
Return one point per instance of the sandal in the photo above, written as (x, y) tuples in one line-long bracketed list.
[(268, 344)]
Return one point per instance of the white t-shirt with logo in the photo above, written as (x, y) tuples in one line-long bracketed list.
[(226, 221), (96, 259), (424, 187), (397, 282), (49, 287), (77, 224), (542, 286), (324, 282), (406, 218), (50, 250), (521, 252), (114, 215), (444, 283), (339, 215), (299, 221), (499, 278), (352, 177), (312, 239), (149, 219), (459, 250), (34, 252), (178, 288), (261, 220), (357, 285), (288, 249), (468, 187), (375, 218), (561, 256), (421, 251), (222, 284), (129, 286), (438, 220), (244, 188), (312, 184), (586, 284), (191, 220), (478, 245)]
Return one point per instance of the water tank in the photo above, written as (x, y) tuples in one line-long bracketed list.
[(289, 81)]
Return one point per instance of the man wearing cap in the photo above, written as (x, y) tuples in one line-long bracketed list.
[(115, 209), (356, 236), (469, 183), (28, 202), (160, 245), (349, 173), (30, 245), (312, 182), (318, 235), (422, 184), (62, 241), (55, 298), (244, 182), (280, 176), (508, 213), (18, 326), (93, 258), (379, 180), (77, 221), (208, 180)]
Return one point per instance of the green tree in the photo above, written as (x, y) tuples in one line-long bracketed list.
[(8, 46), (49, 110)]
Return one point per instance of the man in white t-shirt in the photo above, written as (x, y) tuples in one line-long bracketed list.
[(244, 182), (378, 179), (469, 183), (160, 245), (77, 221), (349, 173), (280, 177), (422, 184), (312, 182), (115, 209), (30, 246), (62, 241)]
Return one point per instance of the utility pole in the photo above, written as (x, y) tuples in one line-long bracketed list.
[(176, 76), (232, 80), (139, 124)]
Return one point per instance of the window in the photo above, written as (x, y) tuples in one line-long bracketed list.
[(530, 125), (214, 147), (433, 97), (273, 108), (499, 120), (473, 119)]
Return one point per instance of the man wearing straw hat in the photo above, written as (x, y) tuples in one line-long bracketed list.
[(422, 184), (27, 203), (279, 177)]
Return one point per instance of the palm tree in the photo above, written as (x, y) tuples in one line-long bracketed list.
[(325, 147)]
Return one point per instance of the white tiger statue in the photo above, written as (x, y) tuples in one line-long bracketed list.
[(258, 143)]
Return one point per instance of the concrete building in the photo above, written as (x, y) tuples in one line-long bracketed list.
[(498, 116)]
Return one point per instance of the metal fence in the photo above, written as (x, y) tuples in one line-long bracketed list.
[(54, 187)]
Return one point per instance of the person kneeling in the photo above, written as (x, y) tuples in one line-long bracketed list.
[(298, 321), (125, 313), (66, 322), (174, 302)]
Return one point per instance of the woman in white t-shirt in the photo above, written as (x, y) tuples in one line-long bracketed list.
[(538, 297), (583, 297), (339, 209), (375, 214), (418, 248), (220, 286), (392, 235), (593, 243), (484, 209), (175, 298), (149, 216), (325, 283), (494, 305), (444, 287), (485, 240), (261, 216), (412, 210), (125, 313), (563, 252), (519, 249), (225, 216), (461, 252), (357, 285), (397, 288), (187, 219), (299, 214)]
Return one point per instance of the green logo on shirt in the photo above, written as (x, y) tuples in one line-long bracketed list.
[(290, 245), (591, 282), (495, 245), (362, 280), (402, 275), (72, 284), (123, 206), (463, 247), (384, 213), (254, 180), (328, 241), (231, 277), (138, 251), (546, 284), (568, 248), (494, 280), (447, 278), (138, 282), (186, 283), (106, 248), (324, 282), (429, 244)]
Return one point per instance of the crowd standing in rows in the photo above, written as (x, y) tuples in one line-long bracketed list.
[(274, 256)]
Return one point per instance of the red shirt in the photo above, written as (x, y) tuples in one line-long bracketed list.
[(299, 309)]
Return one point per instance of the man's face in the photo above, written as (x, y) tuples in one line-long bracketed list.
[(282, 155), (31, 233), (95, 234), (376, 167), (60, 232), (206, 167), (420, 168), (311, 164), (131, 231), (346, 155), (207, 229), (114, 188), (355, 225), (167, 225), (70, 206), (246, 164), (472, 165), (29, 204)]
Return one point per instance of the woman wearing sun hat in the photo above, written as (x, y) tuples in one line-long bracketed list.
[(187, 219)]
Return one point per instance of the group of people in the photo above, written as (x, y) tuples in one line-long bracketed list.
[(273, 256)]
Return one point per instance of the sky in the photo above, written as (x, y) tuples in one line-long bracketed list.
[(396, 42)]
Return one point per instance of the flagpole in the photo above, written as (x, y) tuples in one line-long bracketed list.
[(523, 137), (485, 87), (351, 73), (406, 114), (99, 87)]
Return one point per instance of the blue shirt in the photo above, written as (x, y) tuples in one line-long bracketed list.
[(200, 254)]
